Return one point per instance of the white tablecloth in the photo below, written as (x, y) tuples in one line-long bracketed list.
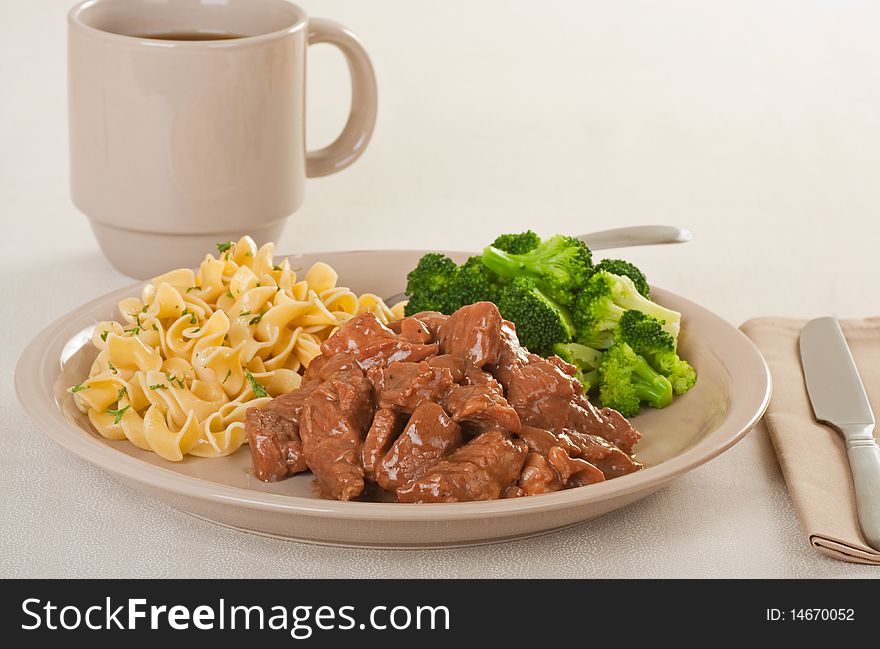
[(756, 124)]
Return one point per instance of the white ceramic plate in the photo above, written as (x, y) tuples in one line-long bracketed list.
[(731, 395)]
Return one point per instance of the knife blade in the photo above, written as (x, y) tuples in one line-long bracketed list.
[(838, 398)]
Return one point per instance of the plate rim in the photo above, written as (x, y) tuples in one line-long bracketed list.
[(38, 355)]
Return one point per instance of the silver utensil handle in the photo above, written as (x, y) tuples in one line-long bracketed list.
[(638, 235), (864, 461)]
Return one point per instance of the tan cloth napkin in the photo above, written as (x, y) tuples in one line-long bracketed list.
[(812, 456)]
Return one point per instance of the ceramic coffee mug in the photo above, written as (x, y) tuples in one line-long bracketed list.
[(177, 142)]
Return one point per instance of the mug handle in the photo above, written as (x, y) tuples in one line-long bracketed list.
[(351, 143)]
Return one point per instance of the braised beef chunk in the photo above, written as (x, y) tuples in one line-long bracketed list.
[(513, 491), (322, 368), (415, 331), (433, 320), (473, 332), (275, 444), (479, 470), (406, 385), (537, 476), (273, 435), (332, 426), (372, 343), (383, 431), (457, 365), (573, 471), (599, 452), (429, 436), (437, 408), (481, 405)]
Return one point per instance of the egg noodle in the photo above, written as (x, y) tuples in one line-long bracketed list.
[(176, 374)]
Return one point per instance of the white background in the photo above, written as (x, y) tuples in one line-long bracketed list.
[(756, 124)]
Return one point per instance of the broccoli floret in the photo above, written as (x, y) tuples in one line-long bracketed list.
[(540, 322), (626, 380), (647, 338), (560, 266), (595, 314), (585, 359), (626, 269), (428, 284), (517, 244), (625, 295), (474, 283)]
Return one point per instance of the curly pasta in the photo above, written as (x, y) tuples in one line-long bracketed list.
[(177, 373)]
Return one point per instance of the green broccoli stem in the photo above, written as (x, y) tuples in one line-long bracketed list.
[(501, 262), (625, 294), (652, 388)]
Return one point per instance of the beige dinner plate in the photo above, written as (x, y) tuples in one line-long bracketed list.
[(731, 395)]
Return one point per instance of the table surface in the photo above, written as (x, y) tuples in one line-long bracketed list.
[(756, 124)]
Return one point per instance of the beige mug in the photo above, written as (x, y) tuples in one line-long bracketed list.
[(187, 122)]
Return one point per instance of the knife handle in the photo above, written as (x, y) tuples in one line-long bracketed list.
[(864, 461)]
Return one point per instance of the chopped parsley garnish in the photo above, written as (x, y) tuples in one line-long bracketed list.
[(192, 316), (155, 328), (144, 310), (173, 379), (276, 267), (117, 414), (123, 392), (110, 366), (158, 386), (223, 247), (195, 331), (228, 374), (104, 335), (193, 288), (134, 332), (259, 390), (229, 294), (246, 312), (256, 319), (79, 387)]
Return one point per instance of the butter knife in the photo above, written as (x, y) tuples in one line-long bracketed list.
[(839, 400)]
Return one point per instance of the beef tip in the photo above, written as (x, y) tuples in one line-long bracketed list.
[(599, 452), (313, 371), (474, 376), (540, 393), (479, 470), (537, 476), (429, 436), (473, 332), (275, 444), (619, 431), (546, 396), (455, 364), (322, 367), (511, 354), (406, 385), (273, 436), (512, 491), (415, 331), (574, 472), (333, 422), (371, 343), (433, 320), (565, 367), (383, 431), (482, 405), (606, 423)]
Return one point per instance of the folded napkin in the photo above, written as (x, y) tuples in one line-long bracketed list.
[(812, 456)]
